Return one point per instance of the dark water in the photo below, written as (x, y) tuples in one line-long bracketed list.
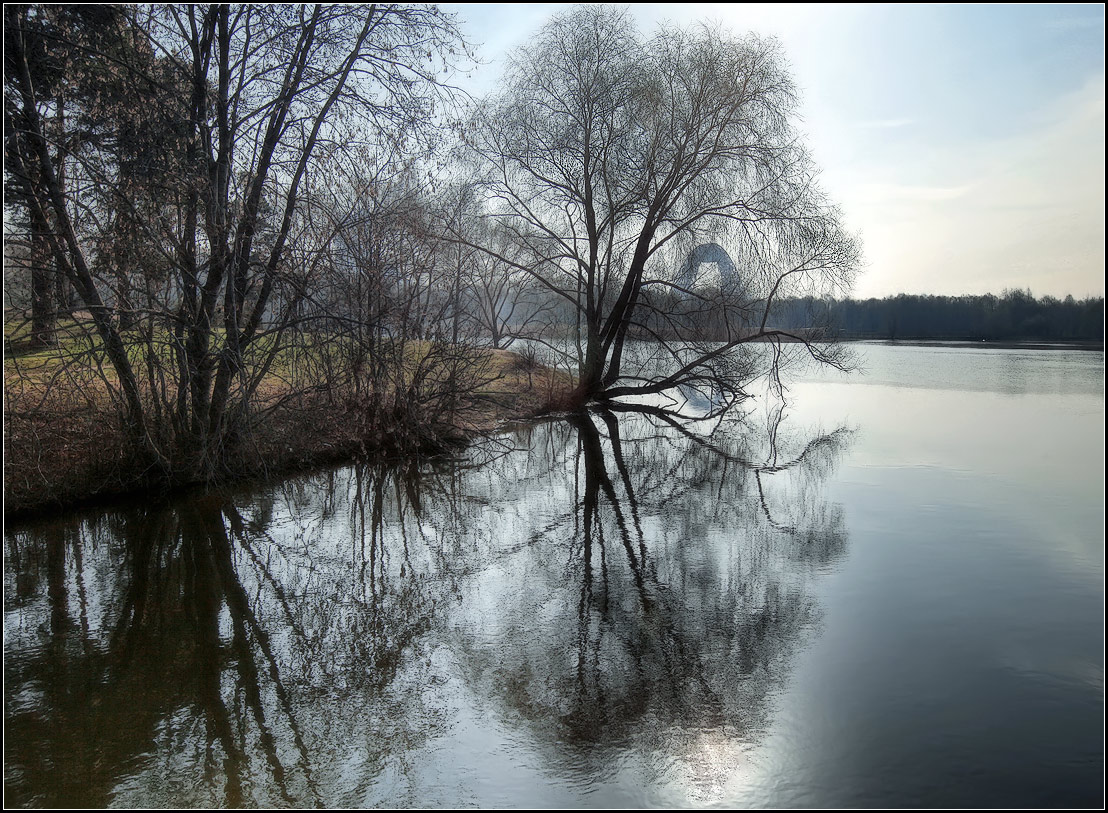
[(893, 597)]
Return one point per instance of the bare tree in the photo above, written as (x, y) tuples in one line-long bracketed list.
[(52, 41), (499, 303), (259, 102), (611, 157), (385, 293)]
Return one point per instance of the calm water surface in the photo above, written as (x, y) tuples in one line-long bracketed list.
[(892, 597)]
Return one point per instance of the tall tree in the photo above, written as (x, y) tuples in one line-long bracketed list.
[(612, 156), (53, 41), (258, 104)]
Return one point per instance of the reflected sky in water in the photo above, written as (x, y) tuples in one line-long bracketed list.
[(891, 596)]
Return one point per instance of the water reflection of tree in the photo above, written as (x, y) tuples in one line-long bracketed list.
[(690, 594), (647, 581), (228, 648)]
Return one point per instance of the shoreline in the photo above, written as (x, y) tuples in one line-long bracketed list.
[(982, 344), (160, 491), (77, 460)]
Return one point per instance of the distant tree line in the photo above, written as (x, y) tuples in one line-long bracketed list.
[(1014, 315)]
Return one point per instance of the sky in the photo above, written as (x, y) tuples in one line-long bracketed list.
[(965, 144)]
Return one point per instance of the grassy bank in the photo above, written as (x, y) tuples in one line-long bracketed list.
[(65, 444)]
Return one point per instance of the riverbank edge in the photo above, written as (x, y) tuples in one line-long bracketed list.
[(980, 344), (75, 485)]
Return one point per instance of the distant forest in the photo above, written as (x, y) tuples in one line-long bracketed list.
[(1015, 315)]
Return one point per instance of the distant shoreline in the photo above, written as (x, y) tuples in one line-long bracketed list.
[(983, 344)]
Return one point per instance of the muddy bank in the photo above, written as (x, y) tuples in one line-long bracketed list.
[(70, 451)]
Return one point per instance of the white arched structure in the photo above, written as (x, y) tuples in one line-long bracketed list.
[(706, 253)]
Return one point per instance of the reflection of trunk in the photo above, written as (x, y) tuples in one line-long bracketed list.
[(194, 545), (612, 422), (55, 582), (207, 604), (723, 616), (247, 635), (225, 619), (596, 482)]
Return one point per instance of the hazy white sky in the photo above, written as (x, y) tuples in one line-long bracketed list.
[(965, 143)]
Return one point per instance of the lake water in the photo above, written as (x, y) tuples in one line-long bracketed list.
[(893, 596)]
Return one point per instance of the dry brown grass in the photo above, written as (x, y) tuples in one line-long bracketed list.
[(521, 389), (64, 442)]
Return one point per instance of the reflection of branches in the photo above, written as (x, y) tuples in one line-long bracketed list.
[(597, 480), (617, 454), (705, 639), (834, 440), (637, 579), (206, 595)]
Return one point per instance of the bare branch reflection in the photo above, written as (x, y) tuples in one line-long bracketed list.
[(619, 583), (690, 557)]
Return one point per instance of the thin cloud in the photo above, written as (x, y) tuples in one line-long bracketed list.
[(889, 193), (884, 124)]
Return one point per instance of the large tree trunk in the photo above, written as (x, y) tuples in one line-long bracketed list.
[(590, 380), (43, 312)]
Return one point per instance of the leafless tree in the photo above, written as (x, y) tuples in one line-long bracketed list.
[(259, 103), (383, 300), (499, 303), (611, 156)]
